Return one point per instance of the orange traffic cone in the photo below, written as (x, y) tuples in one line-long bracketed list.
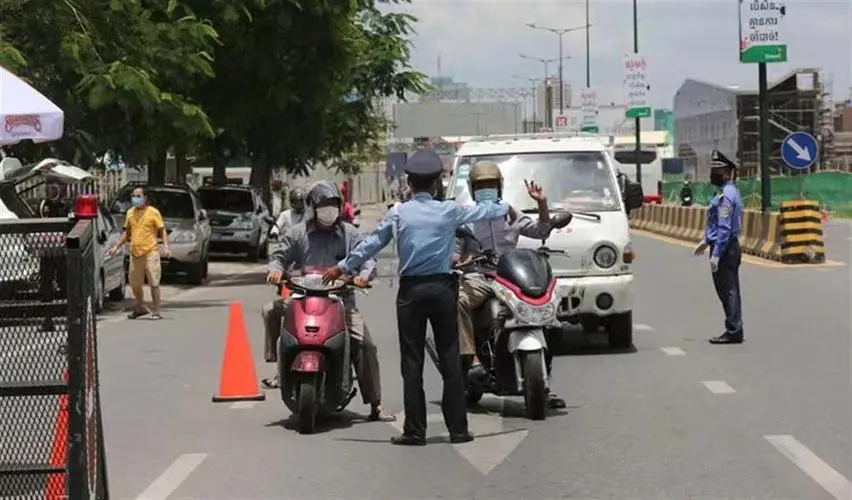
[(239, 379), (56, 483)]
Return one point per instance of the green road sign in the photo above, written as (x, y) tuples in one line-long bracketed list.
[(762, 31), (638, 112), (592, 129)]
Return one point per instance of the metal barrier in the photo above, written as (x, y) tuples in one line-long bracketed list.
[(51, 440)]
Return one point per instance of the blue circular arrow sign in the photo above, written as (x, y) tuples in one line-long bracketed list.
[(800, 150)]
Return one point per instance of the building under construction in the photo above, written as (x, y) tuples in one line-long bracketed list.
[(709, 116)]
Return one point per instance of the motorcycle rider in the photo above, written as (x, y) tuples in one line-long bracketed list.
[(686, 194), (321, 240), (499, 235), (295, 214)]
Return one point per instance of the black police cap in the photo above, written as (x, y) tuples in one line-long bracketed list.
[(424, 163), (718, 160)]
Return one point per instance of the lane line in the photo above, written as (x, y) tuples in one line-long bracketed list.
[(641, 327), (749, 259), (243, 405), (823, 474), (718, 387), (171, 479), (673, 351)]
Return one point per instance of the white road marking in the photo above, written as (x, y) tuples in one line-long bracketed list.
[(493, 443), (641, 327), (171, 479), (823, 474), (673, 351), (243, 405), (718, 387)]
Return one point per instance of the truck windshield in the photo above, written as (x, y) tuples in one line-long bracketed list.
[(576, 180)]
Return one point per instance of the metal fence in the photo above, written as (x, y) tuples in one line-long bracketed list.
[(51, 443)]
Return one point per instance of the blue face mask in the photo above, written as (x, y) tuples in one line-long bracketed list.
[(137, 201), (485, 195)]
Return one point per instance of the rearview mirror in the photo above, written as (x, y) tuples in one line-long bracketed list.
[(102, 237), (202, 215), (561, 219), (633, 196), (259, 210)]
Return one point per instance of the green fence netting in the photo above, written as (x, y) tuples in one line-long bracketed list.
[(832, 189)]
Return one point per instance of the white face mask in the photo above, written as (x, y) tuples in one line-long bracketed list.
[(327, 215)]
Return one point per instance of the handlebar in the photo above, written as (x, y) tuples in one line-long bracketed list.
[(333, 288)]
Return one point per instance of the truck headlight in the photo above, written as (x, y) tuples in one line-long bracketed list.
[(605, 257), (245, 224)]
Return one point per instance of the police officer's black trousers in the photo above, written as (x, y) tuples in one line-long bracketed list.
[(727, 283), (433, 299)]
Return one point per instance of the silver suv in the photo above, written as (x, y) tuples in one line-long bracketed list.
[(186, 224), (239, 218)]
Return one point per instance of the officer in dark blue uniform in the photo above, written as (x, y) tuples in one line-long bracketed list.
[(724, 220)]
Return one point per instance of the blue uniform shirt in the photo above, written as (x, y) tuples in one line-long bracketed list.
[(425, 233), (724, 219)]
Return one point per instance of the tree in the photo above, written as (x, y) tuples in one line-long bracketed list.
[(121, 71)]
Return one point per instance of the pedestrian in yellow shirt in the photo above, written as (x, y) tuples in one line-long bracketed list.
[(143, 225)]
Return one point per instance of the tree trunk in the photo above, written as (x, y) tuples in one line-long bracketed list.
[(220, 176), (261, 173), (182, 166), (157, 168)]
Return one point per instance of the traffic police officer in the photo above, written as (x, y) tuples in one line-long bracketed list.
[(424, 229), (724, 220)]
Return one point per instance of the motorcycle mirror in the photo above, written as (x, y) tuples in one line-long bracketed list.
[(561, 219), (633, 195)]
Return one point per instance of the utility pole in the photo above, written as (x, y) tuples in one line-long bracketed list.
[(638, 122), (533, 82), (560, 32), (588, 52), (548, 111)]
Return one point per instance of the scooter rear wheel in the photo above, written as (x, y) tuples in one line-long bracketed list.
[(307, 405)]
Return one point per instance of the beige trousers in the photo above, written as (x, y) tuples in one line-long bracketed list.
[(473, 292)]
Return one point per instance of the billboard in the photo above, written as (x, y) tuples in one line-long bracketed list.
[(436, 119)]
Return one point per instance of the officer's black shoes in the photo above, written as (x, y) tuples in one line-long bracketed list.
[(554, 402), (728, 338), (408, 440), (464, 437)]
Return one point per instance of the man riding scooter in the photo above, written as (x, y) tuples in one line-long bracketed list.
[(499, 236), (295, 214), (321, 241)]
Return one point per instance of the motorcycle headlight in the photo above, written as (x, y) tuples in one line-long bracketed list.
[(182, 237), (605, 257), (535, 315)]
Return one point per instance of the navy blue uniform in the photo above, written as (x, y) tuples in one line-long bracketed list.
[(724, 220)]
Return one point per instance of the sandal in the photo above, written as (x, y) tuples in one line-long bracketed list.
[(379, 415), (270, 383), (136, 314), (156, 316)]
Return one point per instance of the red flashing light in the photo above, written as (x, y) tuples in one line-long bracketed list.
[(86, 206)]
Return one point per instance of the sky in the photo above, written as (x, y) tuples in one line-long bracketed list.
[(478, 42)]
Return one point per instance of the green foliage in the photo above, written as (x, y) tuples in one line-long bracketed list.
[(282, 82)]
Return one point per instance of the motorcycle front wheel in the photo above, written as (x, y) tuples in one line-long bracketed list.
[(307, 404), (535, 390)]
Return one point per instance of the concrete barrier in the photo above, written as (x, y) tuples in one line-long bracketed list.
[(801, 232), (792, 236)]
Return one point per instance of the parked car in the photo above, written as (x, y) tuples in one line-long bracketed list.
[(186, 222), (239, 218), (23, 278)]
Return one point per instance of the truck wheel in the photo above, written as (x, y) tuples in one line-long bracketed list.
[(535, 392), (195, 274), (620, 329), (117, 294)]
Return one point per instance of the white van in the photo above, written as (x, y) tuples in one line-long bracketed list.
[(577, 172)]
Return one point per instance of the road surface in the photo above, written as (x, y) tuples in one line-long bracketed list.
[(676, 418)]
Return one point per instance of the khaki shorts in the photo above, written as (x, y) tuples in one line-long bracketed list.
[(145, 265)]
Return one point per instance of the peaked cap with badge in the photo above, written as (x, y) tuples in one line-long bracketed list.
[(718, 160), (424, 164)]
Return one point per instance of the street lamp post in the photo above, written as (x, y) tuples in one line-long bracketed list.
[(560, 32), (638, 122), (533, 82), (548, 118)]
